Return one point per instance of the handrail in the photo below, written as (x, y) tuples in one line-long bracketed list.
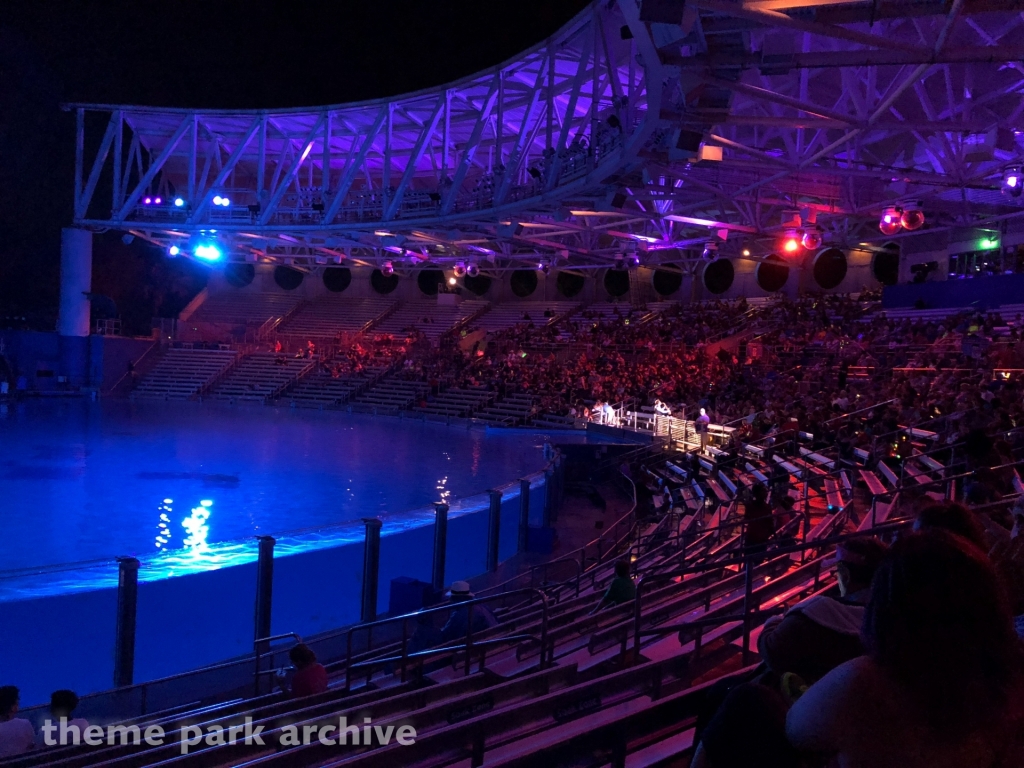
[(746, 560), (580, 551), (860, 410), (403, 620)]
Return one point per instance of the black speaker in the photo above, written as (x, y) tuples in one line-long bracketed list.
[(689, 141)]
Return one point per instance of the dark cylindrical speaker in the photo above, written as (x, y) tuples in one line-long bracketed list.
[(667, 281), (569, 284), (718, 276), (287, 278), (616, 282), (337, 279), (383, 284), (523, 282), (829, 268), (772, 273)]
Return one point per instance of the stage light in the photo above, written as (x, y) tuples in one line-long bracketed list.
[(791, 243), (746, 251), (472, 270), (812, 239), (216, 199), (207, 251), (225, 202), (147, 200), (157, 200), (912, 217), (460, 269), (988, 243), (173, 250), (1013, 181), (620, 261), (633, 260), (387, 268), (890, 224), (179, 202), (710, 252), (452, 281)]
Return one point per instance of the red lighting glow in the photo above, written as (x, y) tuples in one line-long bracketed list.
[(792, 245)]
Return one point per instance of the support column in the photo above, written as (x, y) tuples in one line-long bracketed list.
[(524, 514), (264, 590), (75, 281), (440, 543), (124, 637), (493, 530), (371, 568), (549, 497)]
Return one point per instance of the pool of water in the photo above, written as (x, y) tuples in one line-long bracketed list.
[(183, 485)]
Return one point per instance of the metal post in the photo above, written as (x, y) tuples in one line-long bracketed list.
[(124, 638), (549, 497), (748, 588), (440, 543), (264, 590), (524, 513), (493, 530), (371, 568)]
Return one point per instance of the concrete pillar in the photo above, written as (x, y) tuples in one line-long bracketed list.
[(124, 635), (440, 543), (75, 281), (264, 590), (493, 530), (524, 514), (371, 568)]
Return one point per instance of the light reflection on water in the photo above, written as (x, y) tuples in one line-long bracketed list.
[(111, 478)]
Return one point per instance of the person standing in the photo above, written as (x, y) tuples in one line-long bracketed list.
[(701, 424)]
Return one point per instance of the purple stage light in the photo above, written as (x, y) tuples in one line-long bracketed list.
[(147, 201), (157, 200)]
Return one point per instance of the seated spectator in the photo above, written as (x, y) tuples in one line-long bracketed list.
[(458, 621), (940, 684), (954, 518), (821, 633), (62, 705), (16, 733), (310, 676), (620, 590)]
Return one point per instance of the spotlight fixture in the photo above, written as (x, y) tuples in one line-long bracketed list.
[(179, 202), (207, 251), (812, 239), (452, 281), (633, 260), (157, 200), (912, 217), (472, 270), (544, 267), (387, 268), (890, 224), (710, 251), (173, 250), (127, 238), (620, 261), (147, 200), (792, 242), (223, 201), (746, 251), (460, 269), (1013, 181)]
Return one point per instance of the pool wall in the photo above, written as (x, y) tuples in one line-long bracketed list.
[(198, 619)]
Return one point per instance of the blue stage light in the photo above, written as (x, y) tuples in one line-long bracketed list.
[(179, 202), (207, 251), (174, 250)]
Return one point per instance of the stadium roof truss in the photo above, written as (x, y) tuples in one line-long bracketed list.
[(650, 129)]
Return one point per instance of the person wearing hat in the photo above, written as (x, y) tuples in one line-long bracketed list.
[(822, 632), (458, 620)]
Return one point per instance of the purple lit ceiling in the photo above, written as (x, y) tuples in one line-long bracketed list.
[(647, 128)]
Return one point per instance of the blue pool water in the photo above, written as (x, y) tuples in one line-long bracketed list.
[(185, 485)]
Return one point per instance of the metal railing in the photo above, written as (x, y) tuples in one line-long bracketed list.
[(468, 646), (748, 560)]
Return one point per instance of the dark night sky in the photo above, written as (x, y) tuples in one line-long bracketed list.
[(207, 54)]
